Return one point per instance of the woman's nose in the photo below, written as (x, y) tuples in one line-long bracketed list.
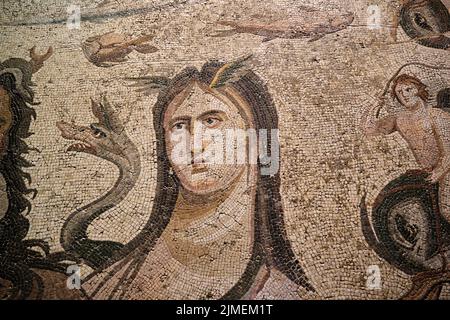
[(196, 138), (196, 148), (199, 141)]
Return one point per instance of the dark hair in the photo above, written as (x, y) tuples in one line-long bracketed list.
[(17, 256), (406, 79), (271, 244), (443, 98)]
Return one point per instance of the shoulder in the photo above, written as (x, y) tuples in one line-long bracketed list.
[(438, 112), (440, 115)]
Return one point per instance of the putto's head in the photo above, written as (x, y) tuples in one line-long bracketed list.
[(197, 124), (409, 91)]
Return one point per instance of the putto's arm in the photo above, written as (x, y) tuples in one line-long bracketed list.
[(373, 126)]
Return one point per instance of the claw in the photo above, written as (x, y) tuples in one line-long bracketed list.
[(37, 61)]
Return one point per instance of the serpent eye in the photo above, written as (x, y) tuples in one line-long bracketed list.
[(97, 133), (422, 22)]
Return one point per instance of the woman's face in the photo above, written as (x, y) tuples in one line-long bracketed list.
[(198, 126), (5, 119)]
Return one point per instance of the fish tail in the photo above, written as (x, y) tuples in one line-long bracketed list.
[(227, 23), (141, 40), (224, 33)]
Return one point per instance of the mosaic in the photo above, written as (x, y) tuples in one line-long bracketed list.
[(203, 150)]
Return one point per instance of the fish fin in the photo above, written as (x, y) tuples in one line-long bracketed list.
[(142, 39), (227, 23), (307, 8), (118, 59), (145, 48), (147, 37), (224, 33), (316, 37), (267, 39), (105, 64)]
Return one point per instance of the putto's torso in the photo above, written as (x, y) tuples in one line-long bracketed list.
[(417, 128)]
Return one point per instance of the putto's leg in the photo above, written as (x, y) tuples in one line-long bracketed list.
[(444, 197)]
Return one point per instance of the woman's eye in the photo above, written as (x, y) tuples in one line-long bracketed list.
[(179, 126), (211, 122)]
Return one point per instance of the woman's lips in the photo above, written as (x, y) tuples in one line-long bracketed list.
[(198, 168)]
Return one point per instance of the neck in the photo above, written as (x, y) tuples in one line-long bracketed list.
[(418, 107), (76, 225), (193, 206), (199, 227)]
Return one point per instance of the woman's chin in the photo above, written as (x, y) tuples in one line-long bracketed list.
[(203, 187), (209, 182)]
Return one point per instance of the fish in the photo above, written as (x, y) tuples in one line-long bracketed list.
[(111, 48), (312, 24)]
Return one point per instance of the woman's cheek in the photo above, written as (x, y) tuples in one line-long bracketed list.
[(178, 148)]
